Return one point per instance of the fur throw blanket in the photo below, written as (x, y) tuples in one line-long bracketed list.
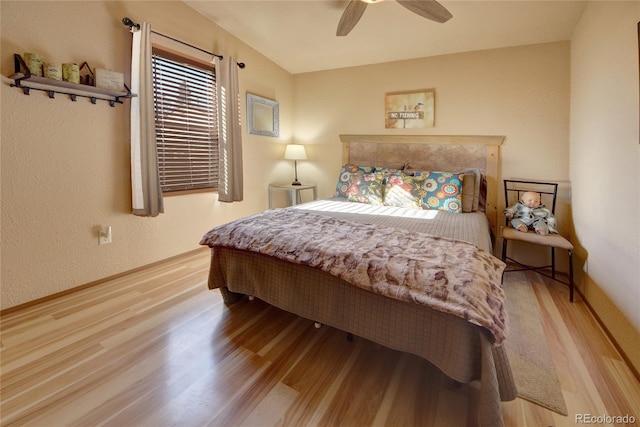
[(450, 276)]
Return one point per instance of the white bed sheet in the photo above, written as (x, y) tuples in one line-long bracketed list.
[(469, 227)]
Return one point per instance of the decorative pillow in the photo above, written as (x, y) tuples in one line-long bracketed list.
[(366, 188), (407, 169), (342, 187), (405, 191), (388, 170), (482, 198), (471, 190), (443, 191)]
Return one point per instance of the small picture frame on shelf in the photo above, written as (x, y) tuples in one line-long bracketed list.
[(111, 80)]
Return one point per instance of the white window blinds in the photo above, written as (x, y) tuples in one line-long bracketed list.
[(186, 124)]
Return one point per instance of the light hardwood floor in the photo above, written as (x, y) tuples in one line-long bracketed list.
[(157, 348)]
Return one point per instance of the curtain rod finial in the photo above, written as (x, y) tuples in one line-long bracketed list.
[(129, 23)]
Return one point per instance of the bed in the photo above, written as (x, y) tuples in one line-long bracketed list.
[(371, 285)]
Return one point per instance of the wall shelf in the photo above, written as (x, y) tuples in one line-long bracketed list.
[(28, 82)]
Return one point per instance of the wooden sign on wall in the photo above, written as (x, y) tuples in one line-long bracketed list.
[(409, 110)]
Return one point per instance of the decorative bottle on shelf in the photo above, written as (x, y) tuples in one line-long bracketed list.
[(34, 62), (71, 73)]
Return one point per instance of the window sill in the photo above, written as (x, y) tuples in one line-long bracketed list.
[(187, 192)]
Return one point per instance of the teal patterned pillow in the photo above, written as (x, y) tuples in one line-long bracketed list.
[(404, 191), (342, 188), (366, 188), (443, 191)]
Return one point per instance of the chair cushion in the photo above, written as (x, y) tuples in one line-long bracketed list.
[(553, 240)]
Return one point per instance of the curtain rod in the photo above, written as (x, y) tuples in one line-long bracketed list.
[(129, 23)]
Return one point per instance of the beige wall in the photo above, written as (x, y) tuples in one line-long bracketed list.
[(520, 92), (605, 166), (65, 165)]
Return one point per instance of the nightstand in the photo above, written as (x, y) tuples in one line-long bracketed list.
[(294, 192)]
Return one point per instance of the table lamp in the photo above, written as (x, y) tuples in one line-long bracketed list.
[(295, 152)]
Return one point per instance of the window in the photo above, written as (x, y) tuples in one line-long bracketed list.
[(184, 94)]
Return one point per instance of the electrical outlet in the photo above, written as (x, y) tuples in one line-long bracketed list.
[(105, 235)]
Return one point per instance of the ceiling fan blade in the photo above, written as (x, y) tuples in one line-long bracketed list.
[(350, 17), (429, 9)]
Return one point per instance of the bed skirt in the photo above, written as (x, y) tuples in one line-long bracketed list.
[(460, 349)]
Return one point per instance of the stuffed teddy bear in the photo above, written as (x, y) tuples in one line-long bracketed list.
[(529, 213)]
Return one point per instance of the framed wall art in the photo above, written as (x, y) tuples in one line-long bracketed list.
[(263, 116), (410, 109)]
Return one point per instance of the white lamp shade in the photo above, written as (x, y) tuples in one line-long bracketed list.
[(295, 152)]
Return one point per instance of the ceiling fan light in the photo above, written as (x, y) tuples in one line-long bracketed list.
[(372, 1)]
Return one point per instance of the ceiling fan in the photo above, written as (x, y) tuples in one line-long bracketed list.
[(429, 9)]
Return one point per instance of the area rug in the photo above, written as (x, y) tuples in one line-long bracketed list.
[(527, 349)]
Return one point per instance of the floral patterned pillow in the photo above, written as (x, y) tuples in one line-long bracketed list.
[(366, 188), (342, 188), (405, 191), (443, 191)]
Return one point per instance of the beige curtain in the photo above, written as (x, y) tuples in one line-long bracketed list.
[(146, 193), (230, 186)]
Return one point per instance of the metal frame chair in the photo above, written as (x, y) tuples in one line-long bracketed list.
[(548, 191)]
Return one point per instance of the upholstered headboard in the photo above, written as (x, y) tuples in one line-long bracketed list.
[(431, 152)]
